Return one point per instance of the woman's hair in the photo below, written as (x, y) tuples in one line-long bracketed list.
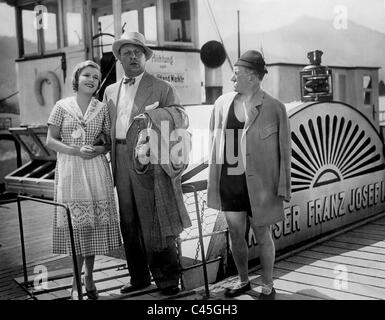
[(78, 69)]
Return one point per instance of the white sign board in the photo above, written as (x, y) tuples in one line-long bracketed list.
[(181, 69)]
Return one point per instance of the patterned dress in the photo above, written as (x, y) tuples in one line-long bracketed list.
[(85, 186)]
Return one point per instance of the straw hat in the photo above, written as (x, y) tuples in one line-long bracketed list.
[(131, 38)]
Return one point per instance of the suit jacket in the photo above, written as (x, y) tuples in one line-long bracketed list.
[(150, 91), (266, 151)]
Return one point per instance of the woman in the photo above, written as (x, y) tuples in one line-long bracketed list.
[(82, 177), (249, 171)]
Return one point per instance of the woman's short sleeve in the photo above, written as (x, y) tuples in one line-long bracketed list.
[(56, 116), (107, 121)]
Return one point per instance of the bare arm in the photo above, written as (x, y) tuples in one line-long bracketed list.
[(53, 142)]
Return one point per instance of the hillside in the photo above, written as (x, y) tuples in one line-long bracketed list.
[(355, 46)]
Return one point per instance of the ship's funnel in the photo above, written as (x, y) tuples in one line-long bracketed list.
[(213, 55)]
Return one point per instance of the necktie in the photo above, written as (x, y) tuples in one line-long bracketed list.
[(130, 81)]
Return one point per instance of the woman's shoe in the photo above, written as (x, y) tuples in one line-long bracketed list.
[(74, 295), (238, 289), (92, 294), (267, 292)]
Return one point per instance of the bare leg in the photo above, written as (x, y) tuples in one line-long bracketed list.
[(237, 228), (267, 252), (80, 261), (88, 272)]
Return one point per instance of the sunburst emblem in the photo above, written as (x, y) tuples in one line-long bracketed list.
[(333, 146)]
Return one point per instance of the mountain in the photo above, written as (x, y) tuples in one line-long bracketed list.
[(354, 46)]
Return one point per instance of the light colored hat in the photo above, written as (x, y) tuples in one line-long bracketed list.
[(131, 38)]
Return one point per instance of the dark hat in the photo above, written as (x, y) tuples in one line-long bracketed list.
[(252, 59)]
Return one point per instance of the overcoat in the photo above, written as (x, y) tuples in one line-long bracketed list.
[(266, 151), (151, 90)]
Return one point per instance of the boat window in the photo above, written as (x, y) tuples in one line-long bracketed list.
[(73, 31), (140, 16), (149, 17), (102, 28), (28, 18), (367, 85), (51, 33), (39, 24), (177, 18), (130, 20), (105, 32)]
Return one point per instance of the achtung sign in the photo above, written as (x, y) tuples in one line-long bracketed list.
[(337, 171), (181, 69)]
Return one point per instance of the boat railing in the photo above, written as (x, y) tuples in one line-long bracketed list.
[(203, 228), (26, 282)]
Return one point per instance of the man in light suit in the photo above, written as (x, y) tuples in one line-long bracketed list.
[(127, 99)]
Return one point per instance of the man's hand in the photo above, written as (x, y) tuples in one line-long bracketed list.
[(152, 106), (142, 153), (102, 139)]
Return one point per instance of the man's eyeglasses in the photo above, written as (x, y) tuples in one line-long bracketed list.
[(136, 52)]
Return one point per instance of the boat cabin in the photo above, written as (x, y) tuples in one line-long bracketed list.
[(54, 35)]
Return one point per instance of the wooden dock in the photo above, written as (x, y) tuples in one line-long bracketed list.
[(348, 266)]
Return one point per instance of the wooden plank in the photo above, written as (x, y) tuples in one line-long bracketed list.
[(316, 292), (343, 260), (17, 271), (14, 290), (63, 281), (332, 265), (371, 230), (100, 271), (15, 295), (350, 253), (365, 235), (143, 297), (357, 240), (282, 295), (354, 291), (61, 294), (9, 248), (381, 220), (378, 224), (374, 227), (353, 246), (46, 296), (330, 273)]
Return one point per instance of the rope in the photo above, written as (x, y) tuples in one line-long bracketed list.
[(10, 96), (219, 33)]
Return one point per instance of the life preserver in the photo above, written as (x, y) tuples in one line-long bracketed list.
[(52, 79)]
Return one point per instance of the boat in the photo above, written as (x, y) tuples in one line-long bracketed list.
[(338, 165)]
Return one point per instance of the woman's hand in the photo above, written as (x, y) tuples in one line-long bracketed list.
[(88, 152)]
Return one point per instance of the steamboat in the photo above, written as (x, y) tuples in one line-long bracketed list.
[(338, 165)]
